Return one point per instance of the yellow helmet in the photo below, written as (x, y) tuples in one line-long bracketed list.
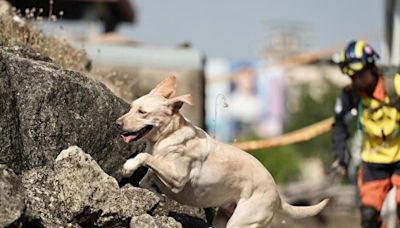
[(357, 56)]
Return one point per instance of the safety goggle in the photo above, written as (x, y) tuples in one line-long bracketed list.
[(351, 67)]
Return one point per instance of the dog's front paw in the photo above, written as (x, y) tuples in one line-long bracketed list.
[(133, 164), (130, 166)]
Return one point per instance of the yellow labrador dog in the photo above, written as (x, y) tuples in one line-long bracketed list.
[(192, 168)]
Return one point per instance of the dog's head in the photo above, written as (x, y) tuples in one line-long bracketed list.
[(152, 113)]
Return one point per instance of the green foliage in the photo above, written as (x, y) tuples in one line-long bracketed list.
[(281, 162)]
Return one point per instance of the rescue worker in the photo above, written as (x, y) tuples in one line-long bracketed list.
[(373, 99)]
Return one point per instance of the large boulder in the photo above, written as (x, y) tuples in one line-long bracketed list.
[(45, 109)]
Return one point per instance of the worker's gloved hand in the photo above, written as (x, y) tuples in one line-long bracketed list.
[(341, 163), (339, 167)]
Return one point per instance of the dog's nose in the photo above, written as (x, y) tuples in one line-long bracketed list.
[(119, 123)]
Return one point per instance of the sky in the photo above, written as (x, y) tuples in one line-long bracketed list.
[(240, 29)]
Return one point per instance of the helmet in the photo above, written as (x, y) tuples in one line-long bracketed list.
[(357, 56)]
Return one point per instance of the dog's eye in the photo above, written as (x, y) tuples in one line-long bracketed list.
[(141, 111)]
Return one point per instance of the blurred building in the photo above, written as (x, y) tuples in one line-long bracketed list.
[(244, 99), (392, 32), (109, 12), (260, 93)]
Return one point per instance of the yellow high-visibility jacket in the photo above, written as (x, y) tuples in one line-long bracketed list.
[(379, 119)]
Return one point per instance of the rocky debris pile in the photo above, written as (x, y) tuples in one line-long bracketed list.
[(76, 192)]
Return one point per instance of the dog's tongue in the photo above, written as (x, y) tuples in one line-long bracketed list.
[(128, 138)]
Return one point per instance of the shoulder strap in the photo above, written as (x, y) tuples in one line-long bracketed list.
[(392, 89)]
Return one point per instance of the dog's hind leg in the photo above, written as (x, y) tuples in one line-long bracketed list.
[(254, 212)]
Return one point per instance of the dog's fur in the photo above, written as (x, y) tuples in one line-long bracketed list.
[(194, 169)]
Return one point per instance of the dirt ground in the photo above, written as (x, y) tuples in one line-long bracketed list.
[(328, 221), (333, 217)]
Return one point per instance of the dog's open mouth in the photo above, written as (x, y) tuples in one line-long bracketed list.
[(134, 136)]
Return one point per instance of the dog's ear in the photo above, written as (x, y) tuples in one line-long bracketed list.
[(166, 88), (177, 102)]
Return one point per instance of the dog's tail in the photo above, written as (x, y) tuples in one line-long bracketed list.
[(303, 211)]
